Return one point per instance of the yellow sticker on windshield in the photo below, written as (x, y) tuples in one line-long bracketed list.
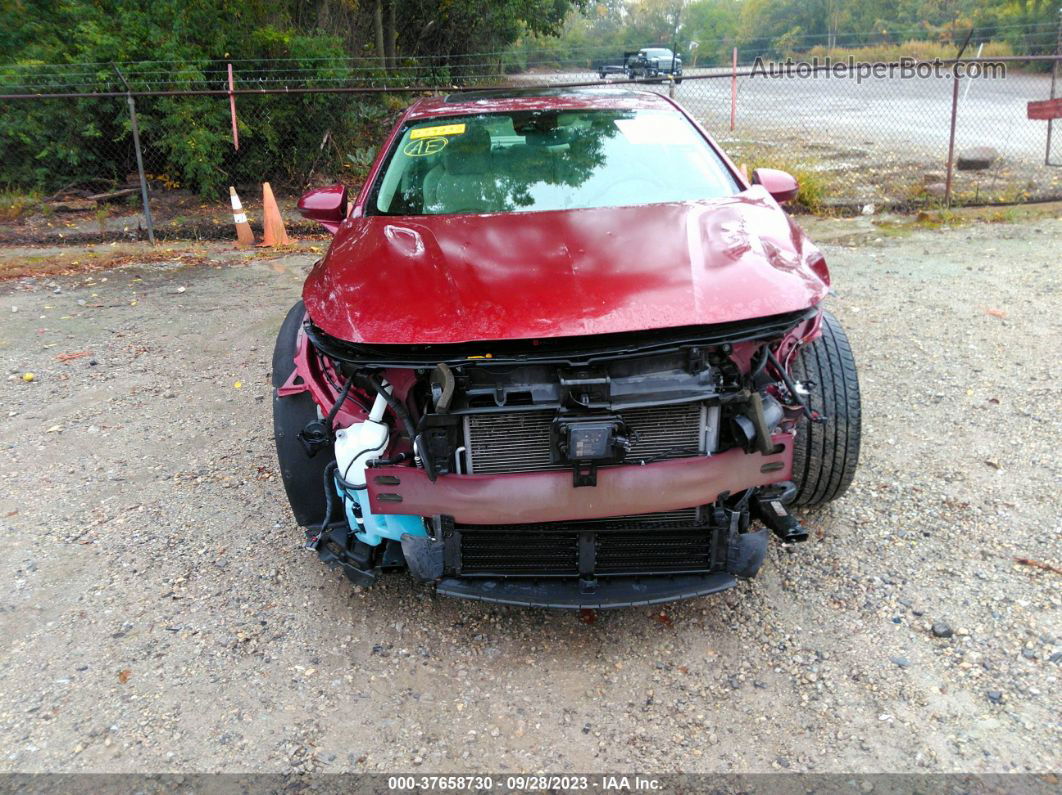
[(432, 132), (428, 146)]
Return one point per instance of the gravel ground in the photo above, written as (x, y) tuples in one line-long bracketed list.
[(159, 614)]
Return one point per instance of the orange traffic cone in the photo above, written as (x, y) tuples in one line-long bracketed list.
[(274, 233), (244, 235)]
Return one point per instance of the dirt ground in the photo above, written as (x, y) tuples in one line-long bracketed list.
[(177, 215), (159, 613)]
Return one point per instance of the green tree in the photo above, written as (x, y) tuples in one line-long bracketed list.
[(713, 24), (187, 43)]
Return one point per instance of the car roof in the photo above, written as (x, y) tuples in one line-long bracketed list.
[(502, 100)]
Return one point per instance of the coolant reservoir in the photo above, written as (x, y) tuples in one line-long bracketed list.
[(355, 447)]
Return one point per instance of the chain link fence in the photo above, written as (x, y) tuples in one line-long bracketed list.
[(851, 140), (884, 140)]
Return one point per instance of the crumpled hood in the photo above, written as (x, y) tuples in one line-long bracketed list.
[(463, 278)]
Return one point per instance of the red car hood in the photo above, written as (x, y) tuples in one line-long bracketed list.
[(463, 278)]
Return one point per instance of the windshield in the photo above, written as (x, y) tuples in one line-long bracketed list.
[(526, 161), (658, 53)]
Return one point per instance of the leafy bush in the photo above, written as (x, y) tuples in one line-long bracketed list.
[(53, 46), (51, 144)]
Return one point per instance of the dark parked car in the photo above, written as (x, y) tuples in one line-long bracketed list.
[(561, 353), (648, 63)]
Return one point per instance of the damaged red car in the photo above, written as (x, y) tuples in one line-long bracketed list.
[(561, 353)]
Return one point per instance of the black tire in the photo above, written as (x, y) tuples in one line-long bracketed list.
[(303, 476), (826, 454)]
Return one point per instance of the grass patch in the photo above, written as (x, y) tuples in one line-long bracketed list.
[(815, 187), (14, 203), (78, 260), (815, 184), (940, 217)]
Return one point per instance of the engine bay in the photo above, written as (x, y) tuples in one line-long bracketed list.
[(575, 434)]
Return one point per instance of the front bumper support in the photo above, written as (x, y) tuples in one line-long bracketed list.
[(549, 496)]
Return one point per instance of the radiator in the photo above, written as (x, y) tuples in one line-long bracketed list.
[(519, 441)]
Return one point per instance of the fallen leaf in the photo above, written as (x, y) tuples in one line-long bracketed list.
[(123, 675), (69, 357), (587, 616), (992, 463), (664, 619), (1038, 564), (996, 312), (238, 385)]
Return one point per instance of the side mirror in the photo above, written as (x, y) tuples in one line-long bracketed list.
[(780, 184), (326, 206)]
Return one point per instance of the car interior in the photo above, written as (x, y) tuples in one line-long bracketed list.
[(535, 161)]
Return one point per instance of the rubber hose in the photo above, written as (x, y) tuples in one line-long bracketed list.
[(329, 502), (407, 423), (789, 384)]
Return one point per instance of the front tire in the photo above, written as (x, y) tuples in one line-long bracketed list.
[(825, 455), (303, 476)]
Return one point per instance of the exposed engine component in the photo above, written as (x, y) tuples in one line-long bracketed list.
[(752, 429), (679, 543), (442, 387), (355, 447), (485, 418), (523, 441)]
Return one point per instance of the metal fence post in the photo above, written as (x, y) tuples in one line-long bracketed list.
[(139, 156), (951, 137), (954, 115), (733, 89), (140, 169), (232, 110), (1054, 79)]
